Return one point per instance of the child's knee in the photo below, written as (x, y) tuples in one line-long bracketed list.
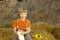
[(16, 38), (28, 37)]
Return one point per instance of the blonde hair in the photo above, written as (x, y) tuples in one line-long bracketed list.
[(20, 11)]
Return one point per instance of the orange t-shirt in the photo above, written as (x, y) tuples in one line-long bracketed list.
[(21, 24)]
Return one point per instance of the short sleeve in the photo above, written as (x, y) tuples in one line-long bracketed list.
[(14, 23), (29, 24)]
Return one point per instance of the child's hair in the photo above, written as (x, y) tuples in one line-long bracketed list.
[(20, 11)]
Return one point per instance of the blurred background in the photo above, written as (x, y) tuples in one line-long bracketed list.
[(43, 14)]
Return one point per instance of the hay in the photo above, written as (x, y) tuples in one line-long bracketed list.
[(44, 29), (56, 31)]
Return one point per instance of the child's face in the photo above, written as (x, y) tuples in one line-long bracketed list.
[(23, 15)]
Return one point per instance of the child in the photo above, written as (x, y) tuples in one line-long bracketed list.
[(23, 24)]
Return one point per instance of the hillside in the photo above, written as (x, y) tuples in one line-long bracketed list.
[(39, 10)]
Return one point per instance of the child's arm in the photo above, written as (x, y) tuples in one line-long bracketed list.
[(28, 31), (14, 26), (29, 28), (14, 29)]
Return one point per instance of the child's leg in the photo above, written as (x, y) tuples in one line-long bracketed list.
[(27, 37), (15, 38)]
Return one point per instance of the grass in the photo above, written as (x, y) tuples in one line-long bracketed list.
[(6, 34)]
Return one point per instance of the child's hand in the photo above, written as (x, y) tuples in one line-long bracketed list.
[(23, 33), (16, 35)]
